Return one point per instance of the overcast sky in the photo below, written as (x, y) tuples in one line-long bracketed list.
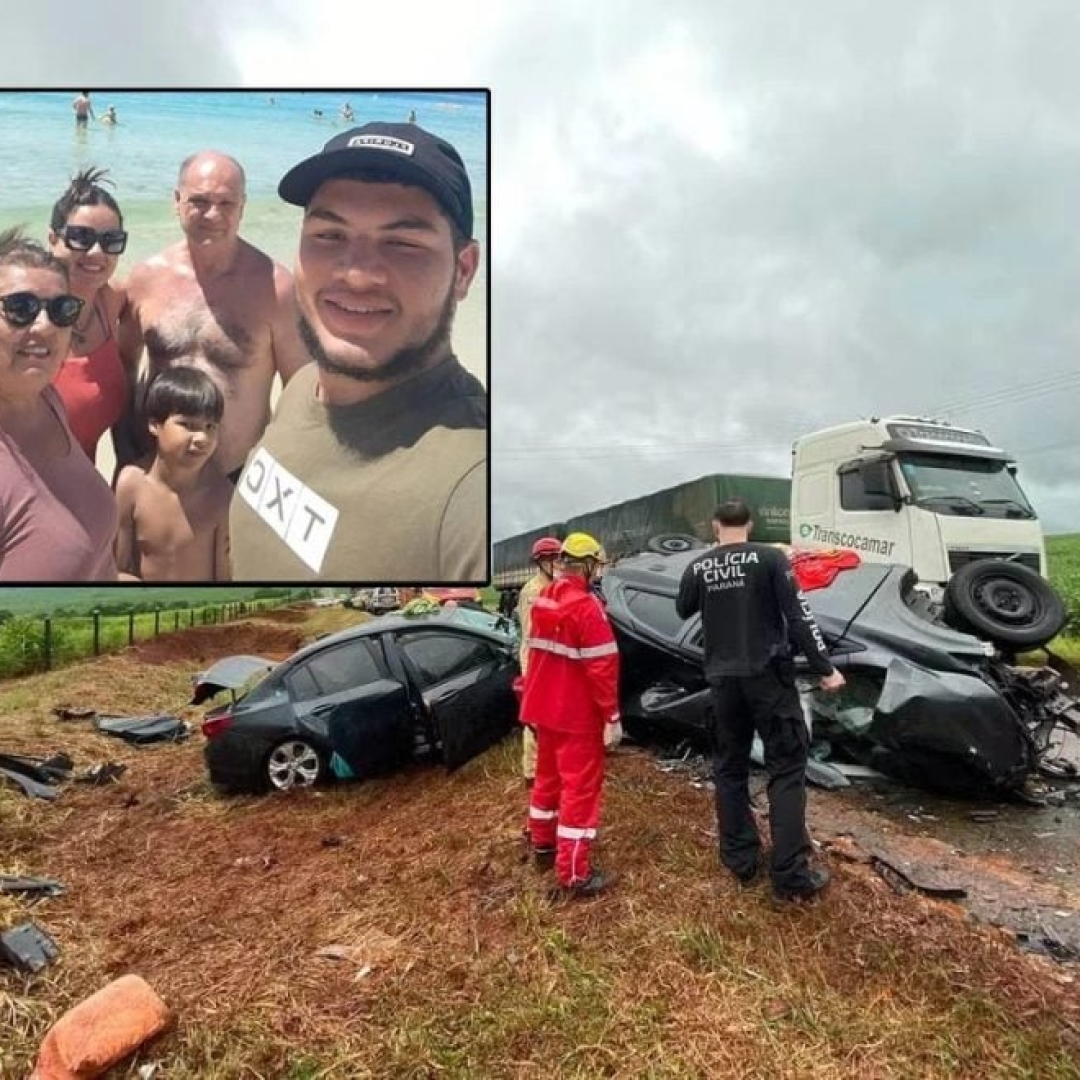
[(715, 226)]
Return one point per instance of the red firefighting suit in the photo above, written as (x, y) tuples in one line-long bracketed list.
[(571, 692)]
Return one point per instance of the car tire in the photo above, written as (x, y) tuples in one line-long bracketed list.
[(673, 543), (293, 763), (1006, 602)]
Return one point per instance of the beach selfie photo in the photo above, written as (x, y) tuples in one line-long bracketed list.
[(244, 336)]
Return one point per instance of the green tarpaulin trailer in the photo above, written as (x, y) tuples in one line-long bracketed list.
[(684, 510)]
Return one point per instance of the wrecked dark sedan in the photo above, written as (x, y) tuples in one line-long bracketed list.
[(363, 702), (924, 702)]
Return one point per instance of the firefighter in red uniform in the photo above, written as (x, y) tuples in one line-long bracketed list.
[(571, 699), (544, 554)]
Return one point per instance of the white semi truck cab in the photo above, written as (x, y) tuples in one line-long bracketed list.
[(903, 489)]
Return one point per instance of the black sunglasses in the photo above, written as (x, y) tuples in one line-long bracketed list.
[(83, 238), (22, 308)]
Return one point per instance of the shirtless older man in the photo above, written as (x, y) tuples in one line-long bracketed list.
[(216, 302)]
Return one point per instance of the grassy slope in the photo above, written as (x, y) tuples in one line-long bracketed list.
[(463, 967), (44, 599), (1063, 553)]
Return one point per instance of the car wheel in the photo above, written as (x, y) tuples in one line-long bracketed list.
[(673, 543), (294, 763), (1006, 602)]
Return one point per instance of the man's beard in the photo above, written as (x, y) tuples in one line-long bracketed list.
[(406, 361)]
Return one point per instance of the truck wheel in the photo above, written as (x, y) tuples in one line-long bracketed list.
[(1008, 603), (673, 543)]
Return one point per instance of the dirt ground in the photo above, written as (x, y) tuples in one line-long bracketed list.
[(447, 956)]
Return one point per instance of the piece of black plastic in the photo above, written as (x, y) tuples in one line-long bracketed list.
[(144, 729), (28, 948), (43, 770), (34, 788), (33, 886)]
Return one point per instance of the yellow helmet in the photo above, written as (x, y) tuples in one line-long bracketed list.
[(582, 546)]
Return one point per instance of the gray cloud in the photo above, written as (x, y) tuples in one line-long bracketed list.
[(717, 225), (876, 220), (118, 43)]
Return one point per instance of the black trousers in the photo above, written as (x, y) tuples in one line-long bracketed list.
[(769, 704)]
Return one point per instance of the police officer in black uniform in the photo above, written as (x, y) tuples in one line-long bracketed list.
[(753, 615)]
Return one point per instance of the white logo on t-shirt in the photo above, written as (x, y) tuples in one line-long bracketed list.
[(302, 518)]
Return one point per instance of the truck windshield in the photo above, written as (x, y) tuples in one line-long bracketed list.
[(952, 484)]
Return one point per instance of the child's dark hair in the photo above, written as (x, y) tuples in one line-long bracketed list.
[(84, 190), (183, 391)]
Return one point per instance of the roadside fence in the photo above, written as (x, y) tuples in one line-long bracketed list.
[(30, 644)]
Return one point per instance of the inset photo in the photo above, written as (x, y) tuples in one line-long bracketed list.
[(244, 336)]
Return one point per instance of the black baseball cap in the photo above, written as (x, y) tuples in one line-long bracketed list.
[(405, 151)]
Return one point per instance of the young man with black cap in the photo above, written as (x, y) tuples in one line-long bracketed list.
[(375, 464), (752, 614)]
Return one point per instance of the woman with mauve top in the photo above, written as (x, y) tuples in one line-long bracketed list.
[(58, 516), (87, 234)]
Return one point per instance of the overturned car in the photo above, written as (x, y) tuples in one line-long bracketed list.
[(926, 703)]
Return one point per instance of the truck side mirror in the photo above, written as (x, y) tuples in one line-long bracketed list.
[(877, 480)]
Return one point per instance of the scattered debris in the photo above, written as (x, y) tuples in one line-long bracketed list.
[(374, 949), (32, 886), (903, 875), (105, 773), (28, 948), (73, 712), (31, 787), (1047, 945), (846, 849), (36, 776), (101, 1031), (984, 816), (140, 730)]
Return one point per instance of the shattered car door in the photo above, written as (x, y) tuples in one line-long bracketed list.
[(348, 703), (466, 684)]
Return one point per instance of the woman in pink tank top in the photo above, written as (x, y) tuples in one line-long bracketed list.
[(58, 516), (87, 234)]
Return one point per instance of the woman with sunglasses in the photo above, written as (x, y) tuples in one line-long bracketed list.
[(87, 233), (58, 516)]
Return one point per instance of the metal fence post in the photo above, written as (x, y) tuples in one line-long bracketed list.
[(176, 620), (47, 644), (157, 620), (131, 627), (97, 632)]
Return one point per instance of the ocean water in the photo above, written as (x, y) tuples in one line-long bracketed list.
[(267, 131)]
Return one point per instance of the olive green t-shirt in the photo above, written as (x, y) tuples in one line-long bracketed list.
[(390, 490)]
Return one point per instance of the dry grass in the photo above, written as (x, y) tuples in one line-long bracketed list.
[(458, 963)]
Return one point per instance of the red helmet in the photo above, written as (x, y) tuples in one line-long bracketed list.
[(547, 547)]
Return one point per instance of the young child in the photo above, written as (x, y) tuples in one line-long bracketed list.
[(174, 509)]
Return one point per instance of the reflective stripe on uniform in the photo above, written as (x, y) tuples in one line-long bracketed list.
[(542, 815), (568, 832), (590, 652)]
